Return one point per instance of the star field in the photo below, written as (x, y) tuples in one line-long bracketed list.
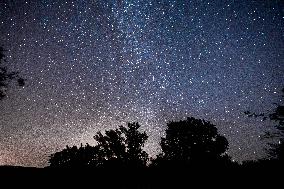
[(94, 65)]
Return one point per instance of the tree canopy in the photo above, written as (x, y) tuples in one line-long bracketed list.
[(117, 147), (85, 156), (192, 141)]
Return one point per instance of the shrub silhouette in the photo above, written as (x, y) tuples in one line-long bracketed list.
[(119, 148), (6, 76), (192, 142), (85, 156)]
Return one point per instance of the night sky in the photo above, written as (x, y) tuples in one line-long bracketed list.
[(92, 65)]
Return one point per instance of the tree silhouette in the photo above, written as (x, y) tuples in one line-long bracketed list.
[(118, 148), (277, 150), (6, 76), (192, 142), (277, 116), (85, 156), (123, 146)]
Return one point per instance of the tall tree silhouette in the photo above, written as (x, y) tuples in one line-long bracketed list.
[(277, 115), (192, 142), (6, 77), (120, 147)]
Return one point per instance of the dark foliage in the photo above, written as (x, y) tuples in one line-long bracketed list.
[(123, 146), (119, 148), (85, 156), (192, 149), (193, 142), (277, 150)]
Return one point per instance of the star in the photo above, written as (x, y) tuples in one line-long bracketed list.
[(94, 65)]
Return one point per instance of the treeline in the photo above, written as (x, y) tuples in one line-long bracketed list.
[(193, 154), (191, 143), (188, 144)]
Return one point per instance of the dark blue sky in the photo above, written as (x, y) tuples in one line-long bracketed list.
[(92, 65)]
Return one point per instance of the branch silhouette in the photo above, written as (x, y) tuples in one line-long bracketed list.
[(6, 77)]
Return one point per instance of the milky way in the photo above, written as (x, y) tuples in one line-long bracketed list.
[(94, 65)]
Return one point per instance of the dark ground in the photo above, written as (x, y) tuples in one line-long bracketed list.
[(28, 177)]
